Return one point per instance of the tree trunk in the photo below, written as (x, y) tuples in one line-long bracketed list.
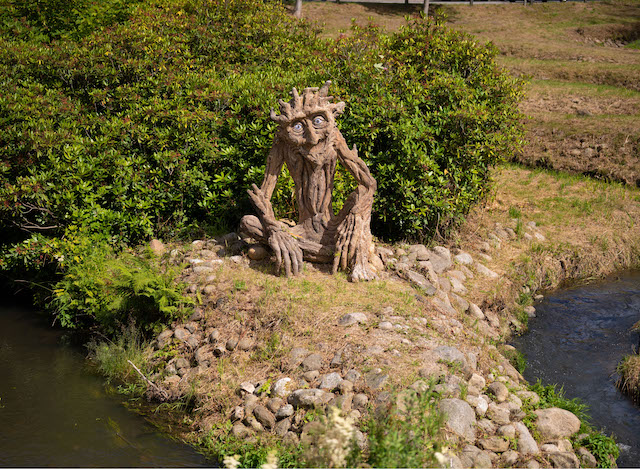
[(298, 10), (425, 8)]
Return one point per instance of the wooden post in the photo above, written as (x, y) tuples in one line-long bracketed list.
[(298, 10), (425, 8)]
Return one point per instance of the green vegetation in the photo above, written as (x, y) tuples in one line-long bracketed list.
[(603, 447), (629, 376), (152, 120), (407, 433)]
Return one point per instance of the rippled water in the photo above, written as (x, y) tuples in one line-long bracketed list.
[(579, 336), (55, 412)]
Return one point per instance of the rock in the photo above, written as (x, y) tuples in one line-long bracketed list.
[(311, 376), (345, 386), (265, 417), (330, 381), (481, 407), (463, 258), (498, 390), (250, 402), (586, 458), (231, 344), (282, 427), (421, 282), (252, 422), (182, 363), (193, 341), (477, 381), (343, 402), (486, 426), (530, 311), (309, 398), (282, 387), (555, 423), (157, 247), (481, 269), (351, 319), (509, 458), (498, 415), (284, 412), (440, 258), (496, 444), (214, 335), (246, 388), (240, 431), (352, 375), (449, 355), (202, 269), (181, 333), (563, 460), (245, 344), (508, 431), (312, 363), (170, 369), (459, 418), (526, 443), (375, 379), (164, 338), (461, 303), (360, 401), (296, 356), (257, 252), (336, 361), (237, 414), (202, 356), (219, 350), (385, 326), (291, 439)]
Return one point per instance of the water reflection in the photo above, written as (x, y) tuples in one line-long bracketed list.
[(53, 412), (579, 336)]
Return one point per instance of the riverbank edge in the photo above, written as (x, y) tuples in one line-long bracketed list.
[(514, 300)]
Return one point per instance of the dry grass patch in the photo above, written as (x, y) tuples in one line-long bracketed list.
[(591, 230), (629, 380)]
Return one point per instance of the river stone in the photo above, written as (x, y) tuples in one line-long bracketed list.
[(460, 302), (555, 423), (530, 311), (193, 341), (463, 258), (164, 338), (448, 354), (274, 404), (237, 414), (181, 333), (499, 415), (360, 401), (285, 411), (231, 344), (351, 319), (385, 326), (352, 375), (251, 422), (296, 356), (343, 402), (265, 417), (586, 458), (526, 443), (421, 281), (477, 381), (240, 431), (312, 362), (496, 444), (459, 418), (508, 431), (440, 258), (509, 458), (330, 381), (481, 269), (375, 379), (282, 387), (282, 427), (481, 407), (345, 386), (563, 460), (246, 388), (311, 376), (498, 390), (309, 398)]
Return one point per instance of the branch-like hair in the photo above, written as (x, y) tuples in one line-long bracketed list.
[(312, 100)]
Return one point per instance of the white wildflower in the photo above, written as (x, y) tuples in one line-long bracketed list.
[(231, 462), (272, 461), (338, 438)]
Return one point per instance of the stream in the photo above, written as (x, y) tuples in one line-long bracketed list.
[(55, 412), (577, 339)]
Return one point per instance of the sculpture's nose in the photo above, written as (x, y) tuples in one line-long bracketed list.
[(312, 135)]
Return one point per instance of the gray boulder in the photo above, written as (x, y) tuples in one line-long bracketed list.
[(460, 418), (556, 423)]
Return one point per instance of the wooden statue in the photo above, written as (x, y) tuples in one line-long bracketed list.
[(310, 144)]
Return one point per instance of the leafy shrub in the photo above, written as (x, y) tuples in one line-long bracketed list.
[(406, 435), (160, 122)]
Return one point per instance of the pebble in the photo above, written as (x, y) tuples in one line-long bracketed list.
[(330, 381), (385, 326), (352, 375), (245, 344), (257, 252), (351, 319), (282, 387), (311, 375), (266, 418), (231, 344), (312, 363), (463, 258)]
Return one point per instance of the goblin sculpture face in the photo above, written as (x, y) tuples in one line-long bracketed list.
[(308, 120)]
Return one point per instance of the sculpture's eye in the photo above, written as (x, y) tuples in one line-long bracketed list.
[(319, 121), (297, 127)]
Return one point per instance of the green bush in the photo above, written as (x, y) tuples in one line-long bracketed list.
[(154, 124)]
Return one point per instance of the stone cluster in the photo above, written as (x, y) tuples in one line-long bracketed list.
[(483, 405)]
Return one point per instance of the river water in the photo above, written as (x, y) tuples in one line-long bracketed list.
[(56, 412), (579, 336)]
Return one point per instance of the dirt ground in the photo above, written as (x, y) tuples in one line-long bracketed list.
[(582, 61)]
